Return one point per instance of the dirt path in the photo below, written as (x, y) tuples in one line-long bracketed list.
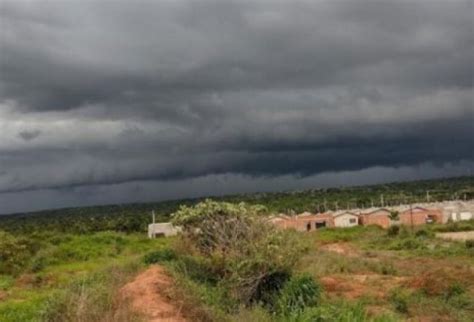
[(341, 248), (147, 293), (462, 235)]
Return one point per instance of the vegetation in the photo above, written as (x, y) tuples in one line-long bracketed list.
[(230, 265), (249, 258), (65, 277), (134, 217), (372, 276)]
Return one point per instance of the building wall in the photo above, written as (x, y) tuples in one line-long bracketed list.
[(344, 220), (419, 216), (301, 223), (466, 215), (162, 229), (377, 219)]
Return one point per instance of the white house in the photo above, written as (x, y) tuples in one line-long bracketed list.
[(345, 219), (162, 229), (463, 215)]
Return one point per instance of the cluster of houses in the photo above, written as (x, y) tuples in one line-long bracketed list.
[(416, 215), (383, 217)]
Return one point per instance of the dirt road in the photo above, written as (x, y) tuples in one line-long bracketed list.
[(147, 293), (462, 235)]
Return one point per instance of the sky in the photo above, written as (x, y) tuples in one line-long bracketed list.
[(127, 101)]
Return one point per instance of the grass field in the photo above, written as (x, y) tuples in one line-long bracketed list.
[(72, 277), (364, 273)]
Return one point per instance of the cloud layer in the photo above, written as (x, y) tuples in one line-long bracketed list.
[(95, 92)]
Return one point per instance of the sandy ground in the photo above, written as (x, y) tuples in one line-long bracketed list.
[(147, 293), (462, 235)]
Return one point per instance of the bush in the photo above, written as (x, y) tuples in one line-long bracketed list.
[(470, 243), (455, 289), (15, 253), (162, 255), (399, 300), (248, 256), (338, 312), (408, 244), (423, 233), (298, 293), (393, 230)]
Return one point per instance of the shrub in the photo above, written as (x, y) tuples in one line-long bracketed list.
[(162, 255), (455, 289), (340, 312), (6, 282), (244, 252), (408, 244), (393, 230), (399, 300), (388, 269), (394, 215), (423, 233), (470, 243), (298, 293), (15, 253)]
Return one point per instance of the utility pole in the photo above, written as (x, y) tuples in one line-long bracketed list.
[(371, 203), (411, 216), (427, 196), (153, 226), (335, 205), (381, 200)]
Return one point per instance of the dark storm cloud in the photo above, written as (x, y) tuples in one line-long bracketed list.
[(118, 91), (29, 135)]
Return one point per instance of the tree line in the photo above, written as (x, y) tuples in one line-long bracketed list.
[(135, 217)]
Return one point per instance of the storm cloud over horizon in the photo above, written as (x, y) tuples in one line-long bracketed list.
[(269, 93)]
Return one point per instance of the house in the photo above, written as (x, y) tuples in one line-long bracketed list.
[(303, 222), (376, 216), (162, 229), (460, 216), (281, 221), (345, 219), (310, 222), (457, 211), (323, 220), (419, 216)]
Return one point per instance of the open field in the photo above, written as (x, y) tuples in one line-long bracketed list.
[(413, 276), (238, 268), (64, 277)]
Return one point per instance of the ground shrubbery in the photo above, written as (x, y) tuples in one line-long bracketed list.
[(239, 247), (15, 253), (48, 276), (299, 293), (467, 225), (157, 256), (232, 248)]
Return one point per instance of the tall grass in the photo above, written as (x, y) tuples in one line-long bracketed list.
[(95, 298)]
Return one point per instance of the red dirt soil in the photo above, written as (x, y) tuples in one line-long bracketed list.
[(341, 249), (355, 286), (147, 294)]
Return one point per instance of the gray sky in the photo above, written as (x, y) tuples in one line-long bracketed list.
[(119, 101)]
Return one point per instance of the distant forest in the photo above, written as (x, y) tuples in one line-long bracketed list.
[(136, 216)]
